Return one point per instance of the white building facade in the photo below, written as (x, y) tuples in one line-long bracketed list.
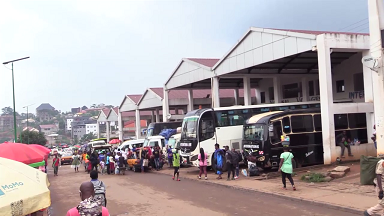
[(91, 128)]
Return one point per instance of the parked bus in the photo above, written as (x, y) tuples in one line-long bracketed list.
[(155, 128), (262, 135), (206, 127)]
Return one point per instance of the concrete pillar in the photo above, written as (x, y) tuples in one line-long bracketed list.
[(376, 23), (190, 100), (137, 123), (120, 125), (277, 89), (236, 96), (326, 99), (257, 93), (152, 116), (304, 89), (215, 87), (157, 115), (165, 106), (98, 130), (247, 91), (108, 127), (368, 96)]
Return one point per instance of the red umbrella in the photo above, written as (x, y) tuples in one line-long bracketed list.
[(114, 141), (41, 148), (21, 152)]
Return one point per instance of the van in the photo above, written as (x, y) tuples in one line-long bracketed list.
[(132, 144)]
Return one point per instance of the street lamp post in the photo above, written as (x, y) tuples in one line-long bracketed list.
[(27, 121), (13, 88)]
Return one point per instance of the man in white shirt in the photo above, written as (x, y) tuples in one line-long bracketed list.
[(378, 181)]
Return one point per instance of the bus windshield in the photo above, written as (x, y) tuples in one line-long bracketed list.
[(172, 142), (189, 127), (254, 132)]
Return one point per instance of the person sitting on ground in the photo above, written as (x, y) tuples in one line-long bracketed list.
[(89, 205), (343, 141), (99, 187)]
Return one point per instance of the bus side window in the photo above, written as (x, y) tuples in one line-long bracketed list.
[(317, 122), (286, 125), (222, 118), (302, 123), (277, 132)]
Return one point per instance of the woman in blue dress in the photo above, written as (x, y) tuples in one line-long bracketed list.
[(219, 159)]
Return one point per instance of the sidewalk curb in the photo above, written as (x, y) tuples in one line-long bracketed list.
[(321, 204)]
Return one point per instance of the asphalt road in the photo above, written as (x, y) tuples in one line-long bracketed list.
[(155, 194)]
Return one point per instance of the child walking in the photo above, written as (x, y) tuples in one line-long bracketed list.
[(176, 163), (286, 167)]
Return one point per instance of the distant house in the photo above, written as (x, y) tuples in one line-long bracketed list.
[(49, 129), (75, 110), (44, 112), (30, 129), (6, 122)]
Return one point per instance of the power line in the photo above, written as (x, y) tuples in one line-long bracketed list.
[(358, 26), (353, 24)]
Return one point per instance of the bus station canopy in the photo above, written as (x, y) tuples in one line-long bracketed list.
[(265, 53)]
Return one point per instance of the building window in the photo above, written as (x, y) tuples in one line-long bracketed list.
[(271, 93), (262, 97), (311, 88), (291, 90), (358, 82), (340, 86), (317, 87)]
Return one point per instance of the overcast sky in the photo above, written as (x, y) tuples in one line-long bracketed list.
[(85, 52)]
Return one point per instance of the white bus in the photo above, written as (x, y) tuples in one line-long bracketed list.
[(204, 128)]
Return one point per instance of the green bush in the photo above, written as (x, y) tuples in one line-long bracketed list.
[(313, 177)]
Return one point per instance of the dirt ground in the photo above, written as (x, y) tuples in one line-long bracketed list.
[(156, 194)]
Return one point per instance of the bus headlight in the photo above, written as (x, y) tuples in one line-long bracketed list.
[(261, 158), (193, 158)]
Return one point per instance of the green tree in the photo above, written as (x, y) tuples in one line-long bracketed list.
[(87, 137), (61, 125), (7, 111), (76, 141), (34, 137)]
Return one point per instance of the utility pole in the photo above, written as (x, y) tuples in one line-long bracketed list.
[(13, 90), (27, 122), (376, 31)]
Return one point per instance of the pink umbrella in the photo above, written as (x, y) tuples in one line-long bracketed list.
[(41, 148)]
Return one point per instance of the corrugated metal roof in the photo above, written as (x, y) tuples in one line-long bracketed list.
[(143, 113), (132, 124), (200, 93), (106, 111), (205, 61), (320, 32), (45, 106), (47, 126), (135, 98)]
